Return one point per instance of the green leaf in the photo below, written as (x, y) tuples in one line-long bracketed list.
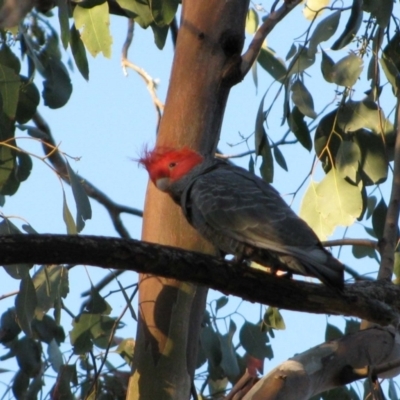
[(302, 98), (97, 304), (273, 319), (221, 302), (363, 251), (79, 52), (25, 304), (347, 70), (267, 165), (160, 35), (327, 67), (371, 203), (301, 61), (324, 31), (9, 90), (392, 392), (67, 217), (9, 59), (332, 332), (7, 162), (391, 72), (138, 10), (313, 8), (89, 328), (352, 26), (23, 167), (254, 341), (348, 159), (292, 51), (260, 134), (28, 355), (51, 284), (57, 87), (374, 164), (381, 10), (83, 208), (379, 218), (272, 64), (229, 362), (20, 385), (300, 128), (212, 349), (356, 115), (94, 23), (252, 21), (9, 327), (163, 11), (28, 101), (332, 202), (279, 158), (126, 350), (63, 18)]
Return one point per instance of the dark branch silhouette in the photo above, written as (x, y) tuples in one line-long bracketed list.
[(378, 301)]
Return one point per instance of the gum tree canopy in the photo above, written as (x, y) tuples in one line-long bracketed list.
[(350, 52)]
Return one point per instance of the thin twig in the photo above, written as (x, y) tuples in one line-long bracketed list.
[(58, 163), (351, 242), (265, 28), (387, 244), (151, 83)]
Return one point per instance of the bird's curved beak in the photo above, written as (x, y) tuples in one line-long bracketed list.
[(162, 183)]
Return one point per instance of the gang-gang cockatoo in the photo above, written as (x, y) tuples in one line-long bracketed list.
[(240, 213)]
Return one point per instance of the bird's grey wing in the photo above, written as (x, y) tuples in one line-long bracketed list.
[(233, 208), (237, 204)]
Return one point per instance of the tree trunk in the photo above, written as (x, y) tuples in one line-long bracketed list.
[(210, 38)]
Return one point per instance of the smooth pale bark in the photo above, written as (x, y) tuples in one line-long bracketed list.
[(211, 34), (329, 365)]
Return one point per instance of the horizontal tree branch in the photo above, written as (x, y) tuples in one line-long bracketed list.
[(329, 365), (377, 302)]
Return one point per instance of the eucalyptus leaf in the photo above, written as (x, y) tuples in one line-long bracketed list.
[(301, 61), (79, 52), (279, 158), (352, 26), (348, 160), (252, 21), (332, 202), (57, 87), (299, 128), (94, 23), (324, 31), (163, 11), (381, 10), (272, 64), (25, 304), (254, 341), (313, 8), (347, 70), (327, 67), (302, 98), (83, 208), (9, 90)]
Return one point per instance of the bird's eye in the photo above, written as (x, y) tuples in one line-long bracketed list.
[(172, 165)]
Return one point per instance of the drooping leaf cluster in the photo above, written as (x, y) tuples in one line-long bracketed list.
[(354, 141)]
